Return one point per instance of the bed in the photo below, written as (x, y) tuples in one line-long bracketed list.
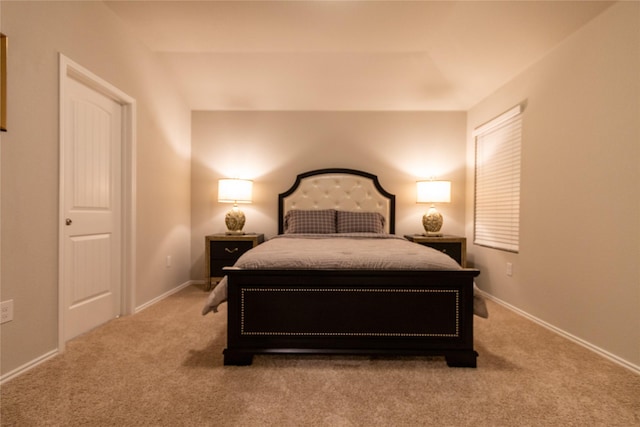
[(352, 288)]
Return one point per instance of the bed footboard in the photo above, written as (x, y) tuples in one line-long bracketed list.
[(350, 312)]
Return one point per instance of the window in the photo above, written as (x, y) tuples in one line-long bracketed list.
[(497, 180)]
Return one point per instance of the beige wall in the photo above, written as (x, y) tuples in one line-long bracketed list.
[(273, 147), (578, 267), (580, 163), (89, 34)]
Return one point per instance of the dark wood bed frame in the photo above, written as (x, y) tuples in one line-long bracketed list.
[(356, 312)]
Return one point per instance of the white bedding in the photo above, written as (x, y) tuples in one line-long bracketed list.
[(357, 251)]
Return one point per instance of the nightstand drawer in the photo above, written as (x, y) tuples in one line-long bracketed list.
[(223, 250), (454, 250), (229, 250), (217, 265), (454, 246)]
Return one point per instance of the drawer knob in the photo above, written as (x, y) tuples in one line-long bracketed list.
[(231, 250)]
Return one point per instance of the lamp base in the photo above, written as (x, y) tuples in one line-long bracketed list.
[(234, 220), (432, 222)]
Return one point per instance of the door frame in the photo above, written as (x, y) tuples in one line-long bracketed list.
[(70, 69)]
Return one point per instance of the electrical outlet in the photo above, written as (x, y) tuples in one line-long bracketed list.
[(168, 261), (6, 311), (509, 269)]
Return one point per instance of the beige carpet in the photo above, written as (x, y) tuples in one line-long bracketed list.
[(163, 367)]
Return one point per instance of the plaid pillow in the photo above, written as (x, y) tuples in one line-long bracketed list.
[(359, 222), (320, 221)]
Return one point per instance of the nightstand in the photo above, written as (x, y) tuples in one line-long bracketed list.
[(223, 250), (454, 246)]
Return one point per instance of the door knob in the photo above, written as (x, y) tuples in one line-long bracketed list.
[(68, 221)]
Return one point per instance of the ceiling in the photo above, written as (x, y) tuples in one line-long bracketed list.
[(349, 55)]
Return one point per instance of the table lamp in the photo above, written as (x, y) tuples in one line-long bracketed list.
[(433, 192), (235, 191)]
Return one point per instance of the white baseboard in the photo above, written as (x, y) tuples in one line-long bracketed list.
[(612, 357), (28, 366), (165, 295), (624, 363)]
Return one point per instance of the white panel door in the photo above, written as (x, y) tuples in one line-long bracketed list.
[(92, 197)]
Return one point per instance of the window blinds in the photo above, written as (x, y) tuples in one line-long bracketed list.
[(497, 182)]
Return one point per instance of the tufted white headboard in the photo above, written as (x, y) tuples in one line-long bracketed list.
[(341, 189)]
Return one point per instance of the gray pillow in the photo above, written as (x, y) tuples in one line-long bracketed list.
[(359, 222), (319, 221)]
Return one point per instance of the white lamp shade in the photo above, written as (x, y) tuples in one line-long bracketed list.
[(235, 190), (433, 191)]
